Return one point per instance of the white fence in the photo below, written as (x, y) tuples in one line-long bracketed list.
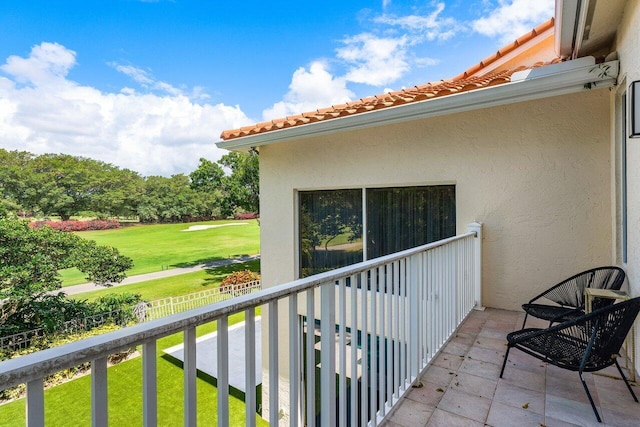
[(142, 312), (23, 339), (379, 324), (172, 305)]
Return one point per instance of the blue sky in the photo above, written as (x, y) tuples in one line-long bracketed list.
[(149, 85)]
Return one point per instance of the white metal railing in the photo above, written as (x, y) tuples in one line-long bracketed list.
[(23, 340), (142, 312), (172, 305), (377, 325)]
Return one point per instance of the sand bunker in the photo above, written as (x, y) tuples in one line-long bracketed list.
[(204, 227)]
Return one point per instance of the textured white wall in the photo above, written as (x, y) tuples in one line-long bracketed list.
[(537, 174), (628, 46)]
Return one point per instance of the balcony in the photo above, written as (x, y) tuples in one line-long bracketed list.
[(462, 388), (346, 347)]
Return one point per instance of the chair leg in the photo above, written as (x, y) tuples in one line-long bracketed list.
[(593, 405), (525, 319), (504, 363), (626, 381)]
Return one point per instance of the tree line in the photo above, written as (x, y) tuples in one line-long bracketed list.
[(65, 186)]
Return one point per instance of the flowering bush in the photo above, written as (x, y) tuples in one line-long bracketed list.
[(240, 277), (246, 215), (71, 225)]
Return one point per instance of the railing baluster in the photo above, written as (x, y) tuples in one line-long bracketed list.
[(397, 339), (223, 371), (35, 403), (373, 380), (342, 368), (328, 355), (382, 383), (274, 385), (190, 394), (294, 363), (149, 384), (250, 366), (311, 359), (364, 290), (99, 392), (354, 350), (390, 337)]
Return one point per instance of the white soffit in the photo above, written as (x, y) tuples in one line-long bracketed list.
[(542, 82)]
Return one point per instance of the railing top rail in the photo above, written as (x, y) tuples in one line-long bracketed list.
[(46, 362)]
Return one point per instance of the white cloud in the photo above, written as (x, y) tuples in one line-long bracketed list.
[(420, 28), (378, 60), (42, 111), (309, 90), (511, 19), (374, 60), (146, 80), (47, 63)]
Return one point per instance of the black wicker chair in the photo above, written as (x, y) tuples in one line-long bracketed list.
[(587, 343), (568, 295)]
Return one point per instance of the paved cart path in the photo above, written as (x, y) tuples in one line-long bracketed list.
[(87, 287)]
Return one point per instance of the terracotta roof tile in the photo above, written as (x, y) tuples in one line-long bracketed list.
[(507, 49), (467, 81)]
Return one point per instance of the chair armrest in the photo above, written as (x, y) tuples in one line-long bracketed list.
[(534, 332), (575, 311)]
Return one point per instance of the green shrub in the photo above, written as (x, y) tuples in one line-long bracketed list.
[(48, 341)]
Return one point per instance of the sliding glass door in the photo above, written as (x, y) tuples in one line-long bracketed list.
[(332, 223)]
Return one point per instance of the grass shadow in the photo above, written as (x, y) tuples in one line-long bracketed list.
[(215, 275), (210, 260), (210, 379)]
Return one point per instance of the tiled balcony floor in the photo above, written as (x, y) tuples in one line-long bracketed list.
[(462, 386)]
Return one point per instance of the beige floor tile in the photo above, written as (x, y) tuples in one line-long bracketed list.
[(525, 379), (570, 411), (457, 348), (572, 388), (498, 344), (481, 369), (437, 375), (518, 397), (504, 415), (448, 361), (552, 422), (429, 394), (442, 418), (465, 405), (493, 333), (486, 355), (474, 385), (411, 414)]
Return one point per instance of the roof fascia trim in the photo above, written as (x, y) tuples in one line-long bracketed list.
[(520, 49), (531, 87)]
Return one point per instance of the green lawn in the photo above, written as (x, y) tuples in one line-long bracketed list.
[(69, 404), (158, 247), (176, 285)]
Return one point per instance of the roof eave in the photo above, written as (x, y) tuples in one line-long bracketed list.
[(552, 80)]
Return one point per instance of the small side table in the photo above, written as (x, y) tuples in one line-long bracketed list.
[(630, 347)]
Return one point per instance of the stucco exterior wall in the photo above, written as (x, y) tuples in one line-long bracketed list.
[(537, 174), (628, 47)]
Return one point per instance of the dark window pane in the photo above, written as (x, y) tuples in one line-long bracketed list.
[(330, 230), (403, 218)]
